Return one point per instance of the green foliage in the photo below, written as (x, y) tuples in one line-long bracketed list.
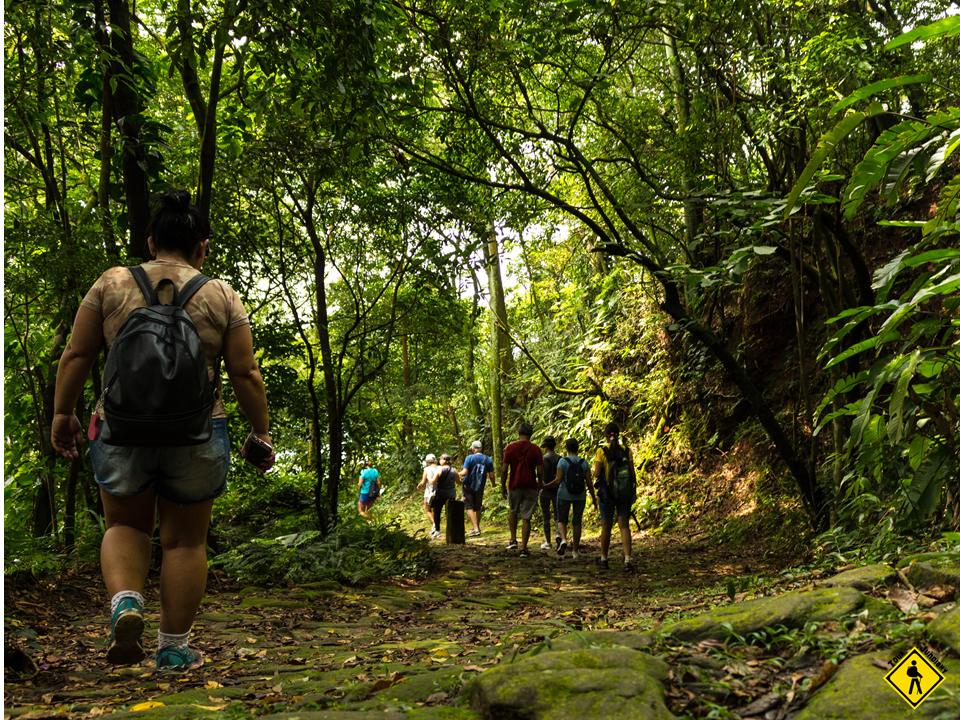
[(354, 552)]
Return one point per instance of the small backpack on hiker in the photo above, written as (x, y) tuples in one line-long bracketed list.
[(620, 480), (156, 391), (574, 477)]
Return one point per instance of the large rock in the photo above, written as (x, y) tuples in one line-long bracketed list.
[(793, 610), (863, 578), (945, 629), (937, 569), (612, 683), (858, 691)]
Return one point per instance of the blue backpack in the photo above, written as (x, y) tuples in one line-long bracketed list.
[(478, 474)]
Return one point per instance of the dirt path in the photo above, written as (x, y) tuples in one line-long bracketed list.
[(404, 645)]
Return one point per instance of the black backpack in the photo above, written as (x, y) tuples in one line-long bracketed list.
[(574, 477), (155, 385), (620, 478)]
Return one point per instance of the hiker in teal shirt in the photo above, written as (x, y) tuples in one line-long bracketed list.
[(369, 489), (572, 482)]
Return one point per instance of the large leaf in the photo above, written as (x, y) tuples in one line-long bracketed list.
[(895, 424), (874, 88), (946, 27), (842, 386), (904, 137), (928, 481), (853, 350), (825, 147), (941, 154)]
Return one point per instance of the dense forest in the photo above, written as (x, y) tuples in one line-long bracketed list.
[(730, 227)]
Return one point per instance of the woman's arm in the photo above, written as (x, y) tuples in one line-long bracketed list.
[(72, 372), (556, 481), (244, 374)]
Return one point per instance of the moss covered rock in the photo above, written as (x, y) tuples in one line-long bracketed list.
[(608, 683), (863, 578), (945, 629), (938, 570), (858, 690), (604, 638), (792, 610)]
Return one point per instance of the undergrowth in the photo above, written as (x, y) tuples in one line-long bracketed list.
[(352, 553)]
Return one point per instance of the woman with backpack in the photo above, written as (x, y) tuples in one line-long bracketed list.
[(428, 485), (160, 473), (572, 481), (446, 489)]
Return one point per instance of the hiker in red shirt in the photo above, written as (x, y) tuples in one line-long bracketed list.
[(524, 462)]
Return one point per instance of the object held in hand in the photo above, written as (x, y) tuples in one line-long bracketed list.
[(255, 451)]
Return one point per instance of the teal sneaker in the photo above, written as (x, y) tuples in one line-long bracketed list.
[(125, 645), (172, 660)]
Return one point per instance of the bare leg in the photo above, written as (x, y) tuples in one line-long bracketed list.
[(426, 509), (576, 537), (512, 522), (474, 516), (183, 575), (562, 529), (625, 537), (605, 527), (125, 548), (525, 534)]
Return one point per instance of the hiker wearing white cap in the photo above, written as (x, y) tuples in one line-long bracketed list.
[(429, 481), (477, 469)]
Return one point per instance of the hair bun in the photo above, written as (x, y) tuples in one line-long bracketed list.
[(175, 200)]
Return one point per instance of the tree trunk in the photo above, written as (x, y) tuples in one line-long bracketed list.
[(127, 107), (499, 348)]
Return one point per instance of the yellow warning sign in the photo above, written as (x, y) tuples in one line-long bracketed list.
[(914, 677)]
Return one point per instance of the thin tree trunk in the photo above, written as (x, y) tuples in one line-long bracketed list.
[(127, 107), (499, 347)]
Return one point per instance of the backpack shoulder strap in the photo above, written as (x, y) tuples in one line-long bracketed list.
[(190, 288), (146, 287)]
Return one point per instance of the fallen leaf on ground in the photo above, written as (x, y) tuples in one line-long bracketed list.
[(826, 672), (882, 664), (149, 705), (905, 600)]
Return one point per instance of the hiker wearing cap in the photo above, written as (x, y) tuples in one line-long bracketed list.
[(446, 484), (572, 482), (523, 462), (548, 493), (428, 484), (616, 483), (369, 487), (477, 469)]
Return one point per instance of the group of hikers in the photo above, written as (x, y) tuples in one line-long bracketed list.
[(531, 476)]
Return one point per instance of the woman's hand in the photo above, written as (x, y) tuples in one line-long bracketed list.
[(266, 463), (65, 434)]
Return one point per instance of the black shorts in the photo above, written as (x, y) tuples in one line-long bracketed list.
[(472, 499)]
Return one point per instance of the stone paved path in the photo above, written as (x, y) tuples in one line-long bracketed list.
[(406, 646)]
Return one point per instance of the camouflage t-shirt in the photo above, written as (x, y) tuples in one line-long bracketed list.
[(215, 308)]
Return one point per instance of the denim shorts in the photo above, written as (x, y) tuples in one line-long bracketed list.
[(622, 508), (563, 510), (182, 475)]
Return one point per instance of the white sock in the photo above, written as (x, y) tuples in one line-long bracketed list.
[(626, 559), (123, 594), (603, 557), (165, 640)]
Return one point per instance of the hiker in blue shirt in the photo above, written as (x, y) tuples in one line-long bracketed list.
[(477, 469), (572, 481), (369, 486)]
